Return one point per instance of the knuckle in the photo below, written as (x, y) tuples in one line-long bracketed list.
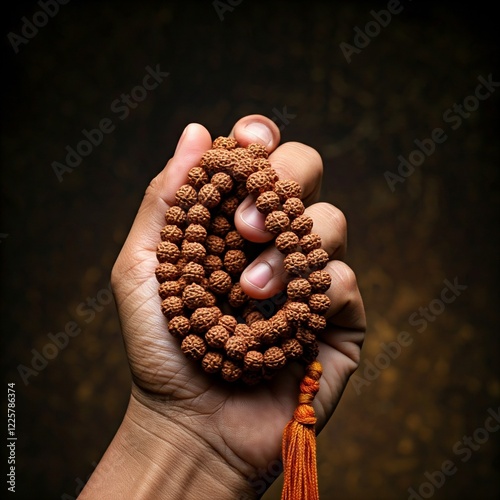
[(346, 279), (333, 216)]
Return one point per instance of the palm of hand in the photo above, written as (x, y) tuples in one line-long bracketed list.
[(239, 422)]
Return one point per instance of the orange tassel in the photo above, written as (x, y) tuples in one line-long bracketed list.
[(299, 443)]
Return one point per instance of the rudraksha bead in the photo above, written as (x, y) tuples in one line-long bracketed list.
[(293, 207), (186, 196), (193, 296), (299, 289), (197, 177), (193, 272), (193, 347), (172, 306), (274, 358), (171, 233), (236, 347), (301, 225), (179, 326), (231, 371), (209, 196), (310, 242), (195, 233), (167, 252), (214, 244), (319, 303), (295, 264), (267, 202), (253, 361), (276, 222), (292, 349), (237, 297), (220, 226), (217, 336), (235, 261), (222, 182), (287, 242), (320, 281), (234, 241), (212, 263), (220, 282), (225, 143), (198, 214), (167, 272), (212, 362), (287, 189), (169, 288), (317, 259), (175, 215), (193, 251)]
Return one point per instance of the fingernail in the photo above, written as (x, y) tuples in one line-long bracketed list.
[(259, 275), (261, 133), (252, 217)]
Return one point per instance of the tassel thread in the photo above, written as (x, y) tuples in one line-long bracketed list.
[(299, 442)]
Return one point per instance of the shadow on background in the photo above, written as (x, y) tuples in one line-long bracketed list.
[(423, 237)]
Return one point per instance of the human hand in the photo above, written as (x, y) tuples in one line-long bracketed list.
[(232, 430)]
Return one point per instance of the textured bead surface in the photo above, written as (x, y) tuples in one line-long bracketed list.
[(201, 256)]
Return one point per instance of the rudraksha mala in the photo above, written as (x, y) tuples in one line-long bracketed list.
[(201, 258)]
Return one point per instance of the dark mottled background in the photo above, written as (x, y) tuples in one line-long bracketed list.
[(401, 417)]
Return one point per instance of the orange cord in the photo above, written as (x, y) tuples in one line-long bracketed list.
[(299, 443)]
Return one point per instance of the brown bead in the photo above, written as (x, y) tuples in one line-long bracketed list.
[(295, 264), (229, 206), (237, 297), (175, 215), (287, 189), (210, 299), (297, 312), (242, 170), (272, 174), (243, 330), (220, 282), (228, 322), (241, 192), (253, 316), (217, 336), (195, 233), (171, 233), (193, 347), (235, 261), (320, 281), (251, 378), (253, 361), (301, 225), (226, 162), (186, 196), (258, 182), (293, 207), (292, 349), (241, 153), (214, 244), (276, 222), (281, 325), (267, 202), (220, 226), (209, 196), (236, 347), (193, 296), (212, 263), (198, 214), (169, 288), (203, 319), (212, 362), (210, 160), (261, 164), (257, 150), (197, 177), (193, 272), (167, 252), (319, 303), (298, 289), (287, 242), (234, 241), (317, 259), (231, 371), (305, 336), (223, 182), (310, 242), (264, 331), (172, 306), (310, 353), (167, 272), (225, 143), (316, 322), (193, 251), (179, 326), (274, 358)]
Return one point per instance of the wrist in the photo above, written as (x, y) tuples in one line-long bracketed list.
[(152, 456)]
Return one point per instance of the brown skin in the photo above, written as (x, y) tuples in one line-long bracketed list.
[(185, 435)]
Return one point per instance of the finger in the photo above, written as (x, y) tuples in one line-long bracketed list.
[(292, 161), (265, 276), (159, 195), (346, 309), (256, 129)]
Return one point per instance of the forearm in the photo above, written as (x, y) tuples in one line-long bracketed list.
[(154, 458)]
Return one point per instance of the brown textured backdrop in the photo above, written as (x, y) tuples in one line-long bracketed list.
[(401, 417)]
